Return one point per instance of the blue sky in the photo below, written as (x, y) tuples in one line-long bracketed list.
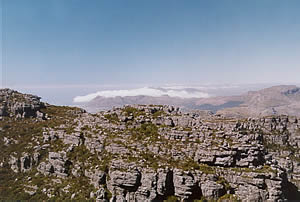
[(117, 42)]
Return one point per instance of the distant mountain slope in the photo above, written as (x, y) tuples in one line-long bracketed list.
[(273, 100), (283, 99), (103, 103)]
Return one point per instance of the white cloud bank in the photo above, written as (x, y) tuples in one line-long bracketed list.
[(208, 87), (141, 91)]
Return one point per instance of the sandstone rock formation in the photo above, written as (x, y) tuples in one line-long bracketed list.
[(12, 103), (149, 153)]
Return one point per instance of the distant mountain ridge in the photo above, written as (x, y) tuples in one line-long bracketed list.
[(282, 99)]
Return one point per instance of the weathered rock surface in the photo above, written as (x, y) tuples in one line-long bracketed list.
[(150, 153), (97, 177), (212, 190), (58, 165), (15, 104)]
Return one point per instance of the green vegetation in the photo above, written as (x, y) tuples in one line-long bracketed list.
[(150, 159), (58, 145), (229, 141), (133, 111), (24, 135), (112, 117), (86, 128), (80, 186), (278, 147), (10, 188), (203, 199), (130, 110), (146, 130), (70, 130), (295, 158), (264, 169), (189, 164), (221, 180), (158, 113), (83, 155), (171, 199), (108, 193), (207, 169), (229, 197), (188, 129)]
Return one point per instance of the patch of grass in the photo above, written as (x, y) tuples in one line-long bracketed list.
[(172, 199), (189, 164), (158, 113), (146, 131), (188, 129), (264, 169), (229, 141), (83, 155), (58, 145), (229, 197), (278, 147), (112, 117), (221, 180), (69, 130), (150, 159), (108, 193), (207, 169), (128, 110), (295, 158)]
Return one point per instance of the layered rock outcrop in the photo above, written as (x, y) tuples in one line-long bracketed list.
[(15, 104), (153, 153)]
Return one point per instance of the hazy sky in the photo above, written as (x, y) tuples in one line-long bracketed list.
[(59, 42)]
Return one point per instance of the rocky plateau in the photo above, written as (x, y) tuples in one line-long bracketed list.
[(145, 153)]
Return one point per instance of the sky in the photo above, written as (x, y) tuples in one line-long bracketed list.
[(118, 44), (63, 42)]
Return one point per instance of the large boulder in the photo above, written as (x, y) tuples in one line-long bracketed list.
[(185, 185), (97, 177), (58, 165), (212, 190)]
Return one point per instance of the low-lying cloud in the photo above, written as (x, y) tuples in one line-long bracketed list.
[(146, 91), (207, 87)]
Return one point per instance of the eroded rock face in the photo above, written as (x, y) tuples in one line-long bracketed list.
[(94, 144), (123, 184), (26, 162), (148, 189), (58, 165), (14, 163), (151, 153), (76, 170), (185, 185), (128, 180), (97, 177), (155, 185), (74, 139), (15, 104), (101, 195), (212, 190)]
